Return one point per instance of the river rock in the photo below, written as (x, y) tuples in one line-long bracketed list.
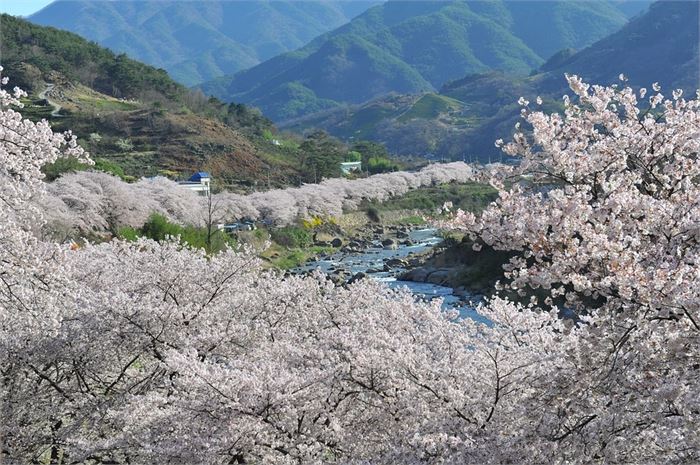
[(356, 277), (337, 279), (461, 291), (417, 275), (337, 242), (440, 276), (396, 263), (401, 234), (320, 236), (388, 242)]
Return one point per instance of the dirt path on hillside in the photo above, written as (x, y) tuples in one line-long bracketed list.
[(56, 107)]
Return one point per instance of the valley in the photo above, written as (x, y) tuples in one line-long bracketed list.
[(417, 232)]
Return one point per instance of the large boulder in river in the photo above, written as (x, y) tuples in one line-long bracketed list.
[(441, 276), (337, 242), (388, 242), (396, 263), (357, 277), (417, 275)]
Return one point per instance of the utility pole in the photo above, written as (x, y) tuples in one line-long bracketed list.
[(210, 220)]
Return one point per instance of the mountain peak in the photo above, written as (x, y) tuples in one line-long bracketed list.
[(416, 46)]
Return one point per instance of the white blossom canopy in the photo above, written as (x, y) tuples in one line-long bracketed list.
[(151, 352)]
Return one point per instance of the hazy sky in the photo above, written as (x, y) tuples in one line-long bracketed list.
[(22, 7)]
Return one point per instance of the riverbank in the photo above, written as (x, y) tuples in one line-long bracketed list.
[(388, 262), (293, 246), (457, 265)]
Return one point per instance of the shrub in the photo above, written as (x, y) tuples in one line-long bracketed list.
[(124, 145), (128, 233), (292, 237), (159, 228), (54, 170), (110, 167), (373, 215)]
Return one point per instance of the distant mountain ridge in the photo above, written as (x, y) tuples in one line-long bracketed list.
[(467, 115), (197, 41), (416, 46)]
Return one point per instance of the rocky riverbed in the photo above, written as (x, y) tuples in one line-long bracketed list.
[(395, 255)]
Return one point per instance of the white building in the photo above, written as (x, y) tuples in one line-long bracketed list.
[(199, 182), (348, 166)]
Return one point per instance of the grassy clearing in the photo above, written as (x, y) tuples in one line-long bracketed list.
[(414, 220), (35, 112), (104, 103), (431, 106), (285, 258), (160, 229)]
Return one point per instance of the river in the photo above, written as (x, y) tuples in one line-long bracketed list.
[(372, 260)]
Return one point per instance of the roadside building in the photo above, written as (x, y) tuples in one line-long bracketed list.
[(199, 182)]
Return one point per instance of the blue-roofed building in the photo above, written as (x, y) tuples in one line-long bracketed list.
[(199, 182), (200, 176)]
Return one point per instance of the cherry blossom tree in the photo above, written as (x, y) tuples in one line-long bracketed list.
[(89, 202), (92, 202), (146, 352), (604, 209)]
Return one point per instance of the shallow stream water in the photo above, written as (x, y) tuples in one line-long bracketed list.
[(372, 259)]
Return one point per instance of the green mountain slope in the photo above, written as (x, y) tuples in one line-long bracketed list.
[(469, 114), (661, 45), (134, 119), (197, 41), (416, 46)]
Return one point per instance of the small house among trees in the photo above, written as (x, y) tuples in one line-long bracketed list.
[(349, 166), (199, 182)]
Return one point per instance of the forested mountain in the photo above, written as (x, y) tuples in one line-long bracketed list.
[(198, 41), (135, 120), (467, 115), (661, 45), (417, 46)]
